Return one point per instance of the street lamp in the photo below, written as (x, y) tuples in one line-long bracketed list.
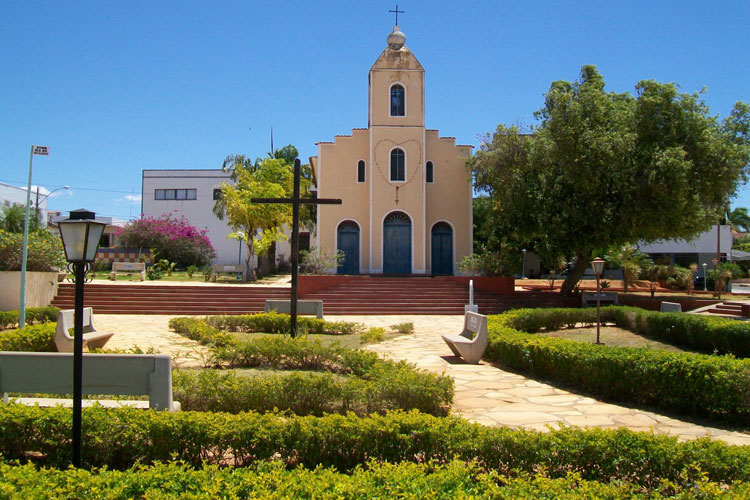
[(523, 265), (598, 265), (38, 201), (705, 278), (80, 235)]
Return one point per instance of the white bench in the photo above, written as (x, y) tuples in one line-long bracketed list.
[(670, 307), (117, 374), (128, 267), (471, 343), (91, 337), (304, 307), (237, 269)]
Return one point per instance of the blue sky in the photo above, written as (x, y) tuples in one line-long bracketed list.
[(114, 88)]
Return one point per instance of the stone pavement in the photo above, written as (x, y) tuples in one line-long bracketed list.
[(484, 393)]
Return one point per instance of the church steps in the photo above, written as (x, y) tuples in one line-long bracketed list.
[(383, 296)]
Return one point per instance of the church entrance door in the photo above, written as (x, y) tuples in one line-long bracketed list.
[(397, 244), (442, 249), (348, 242)]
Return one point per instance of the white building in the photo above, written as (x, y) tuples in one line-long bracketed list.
[(192, 193), (14, 195), (700, 250)]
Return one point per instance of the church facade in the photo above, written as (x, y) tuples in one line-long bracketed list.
[(406, 192)]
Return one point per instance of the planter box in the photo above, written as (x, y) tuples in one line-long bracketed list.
[(41, 288), (311, 283)]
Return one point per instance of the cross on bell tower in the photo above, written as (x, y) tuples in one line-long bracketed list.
[(397, 13)]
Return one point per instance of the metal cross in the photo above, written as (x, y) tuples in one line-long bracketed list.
[(397, 12), (296, 201)]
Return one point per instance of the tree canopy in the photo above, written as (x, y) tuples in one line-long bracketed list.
[(263, 222), (605, 169)]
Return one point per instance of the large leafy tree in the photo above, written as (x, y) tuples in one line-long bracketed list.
[(604, 169), (262, 223)]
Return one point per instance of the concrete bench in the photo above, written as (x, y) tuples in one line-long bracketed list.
[(471, 343), (671, 307), (116, 374), (91, 338), (128, 267), (236, 269), (588, 299), (304, 307)]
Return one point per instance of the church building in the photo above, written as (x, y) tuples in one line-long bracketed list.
[(406, 191)]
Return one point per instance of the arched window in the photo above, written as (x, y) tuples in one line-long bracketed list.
[(429, 174), (398, 165), (361, 171), (398, 101)]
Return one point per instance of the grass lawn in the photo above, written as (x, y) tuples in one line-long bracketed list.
[(611, 336)]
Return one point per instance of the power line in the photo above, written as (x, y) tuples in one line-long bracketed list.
[(22, 185)]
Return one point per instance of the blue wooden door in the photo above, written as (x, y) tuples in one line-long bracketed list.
[(348, 242), (397, 244), (442, 249)]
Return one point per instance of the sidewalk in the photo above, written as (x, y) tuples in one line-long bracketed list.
[(484, 393)]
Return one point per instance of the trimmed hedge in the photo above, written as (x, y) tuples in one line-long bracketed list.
[(274, 322), (34, 338), (34, 315), (701, 333), (119, 438), (383, 388), (369, 383), (271, 481), (697, 384)]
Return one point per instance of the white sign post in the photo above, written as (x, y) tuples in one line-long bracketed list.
[(42, 151)]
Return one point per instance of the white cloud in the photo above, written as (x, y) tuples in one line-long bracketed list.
[(133, 197)]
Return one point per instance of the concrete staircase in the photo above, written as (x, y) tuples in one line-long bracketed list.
[(727, 308), (170, 299), (378, 295)]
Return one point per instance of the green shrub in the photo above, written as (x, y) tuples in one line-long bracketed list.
[(119, 438), (44, 252), (33, 338), (313, 393), (695, 384), (403, 327), (34, 315), (200, 331), (374, 334), (274, 322), (375, 480)]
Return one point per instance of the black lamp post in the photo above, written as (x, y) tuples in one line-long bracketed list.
[(523, 265), (598, 265), (80, 234)]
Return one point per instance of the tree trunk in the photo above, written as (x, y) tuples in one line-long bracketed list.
[(574, 276), (251, 276)]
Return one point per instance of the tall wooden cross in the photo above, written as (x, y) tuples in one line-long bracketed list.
[(397, 13), (296, 201)]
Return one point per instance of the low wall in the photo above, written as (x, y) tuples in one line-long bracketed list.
[(687, 303), (499, 285), (311, 283), (41, 288)]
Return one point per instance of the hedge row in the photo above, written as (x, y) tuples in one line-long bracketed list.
[(274, 322), (34, 315), (697, 384), (120, 438), (34, 338), (701, 333), (384, 388), (272, 481)]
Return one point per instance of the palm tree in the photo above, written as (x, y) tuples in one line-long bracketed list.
[(13, 217), (739, 219), (632, 261)]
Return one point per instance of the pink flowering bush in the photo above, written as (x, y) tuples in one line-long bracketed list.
[(173, 239)]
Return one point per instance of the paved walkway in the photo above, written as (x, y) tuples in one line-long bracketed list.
[(484, 393)]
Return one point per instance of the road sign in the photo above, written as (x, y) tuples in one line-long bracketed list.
[(40, 150)]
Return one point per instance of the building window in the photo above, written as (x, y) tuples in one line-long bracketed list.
[(398, 165), (217, 193), (361, 171), (175, 194), (430, 175), (398, 101)]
